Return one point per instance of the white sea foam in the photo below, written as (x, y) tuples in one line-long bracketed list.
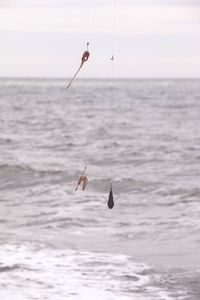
[(32, 272)]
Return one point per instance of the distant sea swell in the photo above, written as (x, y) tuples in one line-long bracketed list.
[(141, 134)]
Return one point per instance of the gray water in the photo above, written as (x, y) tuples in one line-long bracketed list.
[(58, 243)]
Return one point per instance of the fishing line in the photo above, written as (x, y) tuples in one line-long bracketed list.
[(114, 26), (112, 59), (89, 32)]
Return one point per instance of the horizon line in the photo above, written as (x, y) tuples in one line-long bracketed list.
[(99, 78)]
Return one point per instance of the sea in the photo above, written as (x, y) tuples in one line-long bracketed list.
[(140, 135)]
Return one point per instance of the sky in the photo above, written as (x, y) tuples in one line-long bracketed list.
[(149, 38)]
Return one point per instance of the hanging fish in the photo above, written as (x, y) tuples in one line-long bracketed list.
[(84, 58), (82, 179)]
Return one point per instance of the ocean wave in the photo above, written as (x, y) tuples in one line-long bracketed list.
[(45, 272), (21, 176)]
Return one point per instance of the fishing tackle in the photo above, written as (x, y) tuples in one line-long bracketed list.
[(82, 179), (84, 58), (110, 200)]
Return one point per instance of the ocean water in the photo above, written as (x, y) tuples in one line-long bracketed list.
[(57, 243)]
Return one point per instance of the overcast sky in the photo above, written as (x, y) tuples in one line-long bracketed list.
[(149, 38)]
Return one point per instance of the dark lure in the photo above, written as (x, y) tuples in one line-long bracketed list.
[(110, 198)]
